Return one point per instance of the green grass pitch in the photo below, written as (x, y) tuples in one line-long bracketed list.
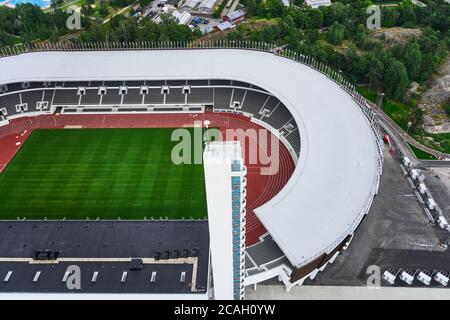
[(105, 173)]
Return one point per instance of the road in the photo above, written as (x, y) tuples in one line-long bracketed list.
[(402, 139), (119, 12)]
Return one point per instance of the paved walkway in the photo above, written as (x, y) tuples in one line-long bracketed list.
[(277, 292), (402, 139)]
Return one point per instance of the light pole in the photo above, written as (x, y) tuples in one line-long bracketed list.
[(408, 125), (380, 98)]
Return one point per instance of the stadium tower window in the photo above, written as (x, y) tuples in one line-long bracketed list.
[(165, 90), (153, 278), (81, 91), (144, 90), (183, 277), (123, 91), (186, 89)]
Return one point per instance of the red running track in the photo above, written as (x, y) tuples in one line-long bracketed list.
[(260, 188)]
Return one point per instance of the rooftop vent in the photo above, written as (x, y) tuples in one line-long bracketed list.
[(194, 252), (136, 265), (157, 255), (43, 255)]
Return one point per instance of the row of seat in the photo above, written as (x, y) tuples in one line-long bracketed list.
[(247, 100), (18, 86)]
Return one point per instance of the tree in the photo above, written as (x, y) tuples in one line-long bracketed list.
[(103, 9), (336, 33), (96, 32), (446, 107), (274, 8), (252, 8), (360, 35), (336, 12), (316, 19), (390, 17), (412, 58), (407, 14), (357, 64), (375, 69), (87, 10), (396, 79)]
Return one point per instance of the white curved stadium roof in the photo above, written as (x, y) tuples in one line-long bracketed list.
[(337, 169)]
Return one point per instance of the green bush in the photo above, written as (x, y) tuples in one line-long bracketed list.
[(447, 108)]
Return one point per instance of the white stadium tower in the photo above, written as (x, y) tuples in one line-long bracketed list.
[(332, 139)]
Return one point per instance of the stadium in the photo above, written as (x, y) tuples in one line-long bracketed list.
[(87, 178)]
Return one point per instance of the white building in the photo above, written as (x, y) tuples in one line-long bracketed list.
[(202, 6), (225, 25), (225, 181), (318, 3), (182, 17)]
